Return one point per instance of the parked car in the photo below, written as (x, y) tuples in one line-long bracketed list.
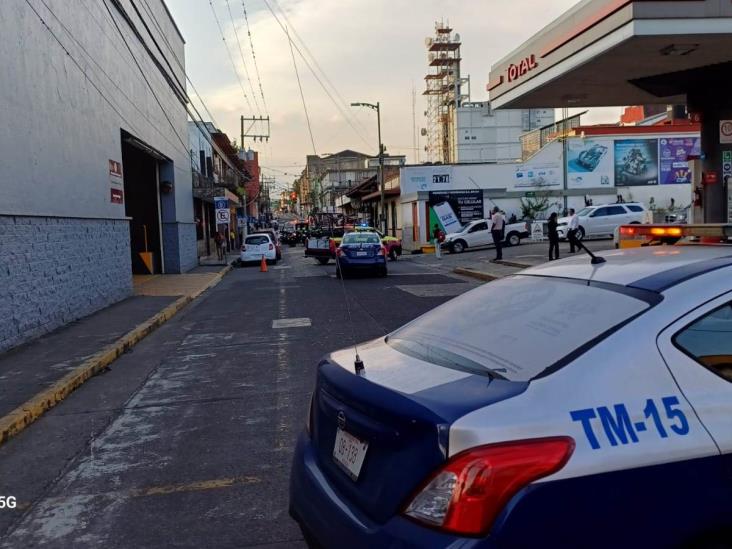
[(257, 245), (603, 219), (361, 251), (275, 238), (567, 406), (477, 233)]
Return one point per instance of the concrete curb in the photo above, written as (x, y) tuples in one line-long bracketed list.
[(25, 414), (480, 275), (513, 263)]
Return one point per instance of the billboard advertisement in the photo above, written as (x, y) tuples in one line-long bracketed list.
[(636, 162), (538, 175), (589, 163), (674, 153), (453, 209)]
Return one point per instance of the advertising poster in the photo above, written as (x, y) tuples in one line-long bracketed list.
[(674, 158), (453, 209), (538, 176), (636, 162), (589, 163)]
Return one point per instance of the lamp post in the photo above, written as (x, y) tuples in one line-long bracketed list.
[(382, 213)]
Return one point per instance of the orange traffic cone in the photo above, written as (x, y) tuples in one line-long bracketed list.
[(263, 266)]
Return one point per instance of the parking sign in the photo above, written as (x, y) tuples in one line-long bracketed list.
[(221, 204)]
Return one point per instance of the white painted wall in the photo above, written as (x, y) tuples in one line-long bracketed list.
[(58, 132)]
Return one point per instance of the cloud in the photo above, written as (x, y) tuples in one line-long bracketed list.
[(371, 51)]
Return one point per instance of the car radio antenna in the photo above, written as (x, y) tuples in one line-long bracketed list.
[(357, 363), (596, 259)]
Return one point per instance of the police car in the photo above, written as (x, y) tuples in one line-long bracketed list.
[(571, 405)]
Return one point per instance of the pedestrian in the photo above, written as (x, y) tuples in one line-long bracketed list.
[(498, 225), (219, 239), (572, 230), (553, 237), (438, 236), (232, 240)]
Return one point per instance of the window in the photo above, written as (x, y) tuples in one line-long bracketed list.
[(479, 227), (634, 208), (486, 330), (257, 240), (709, 341), (361, 238), (616, 210), (600, 212)]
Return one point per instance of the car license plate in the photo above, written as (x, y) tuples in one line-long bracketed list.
[(361, 254), (349, 452)]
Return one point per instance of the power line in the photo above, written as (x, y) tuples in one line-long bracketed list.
[(315, 62), (243, 62), (231, 58), (302, 95), (254, 57), (307, 63)]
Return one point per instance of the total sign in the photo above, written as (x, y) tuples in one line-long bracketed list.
[(524, 66), (221, 204)]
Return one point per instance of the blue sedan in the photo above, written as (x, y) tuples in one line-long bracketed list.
[(361, 251)]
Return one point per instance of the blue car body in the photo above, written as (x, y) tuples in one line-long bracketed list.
[(361, 252)]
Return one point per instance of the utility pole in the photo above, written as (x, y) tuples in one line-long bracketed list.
[(377, 108)]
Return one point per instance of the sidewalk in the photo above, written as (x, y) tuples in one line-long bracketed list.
[(39, 374)]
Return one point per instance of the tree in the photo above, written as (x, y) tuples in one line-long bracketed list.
[(536, 206)]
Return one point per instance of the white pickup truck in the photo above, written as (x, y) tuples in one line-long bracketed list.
[(477, 233)]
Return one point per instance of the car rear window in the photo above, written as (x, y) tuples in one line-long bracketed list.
[(257, 240), (517, 327), (361, 238)]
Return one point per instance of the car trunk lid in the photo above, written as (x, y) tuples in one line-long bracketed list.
[(402, 408)]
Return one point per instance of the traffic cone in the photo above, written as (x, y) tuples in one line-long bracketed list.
[(263, 266)]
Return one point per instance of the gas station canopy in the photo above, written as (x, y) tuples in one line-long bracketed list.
[(617, 52)]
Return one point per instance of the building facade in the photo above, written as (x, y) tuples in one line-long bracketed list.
[(99, 186), (485, 135)]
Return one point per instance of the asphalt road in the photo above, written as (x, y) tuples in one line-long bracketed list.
[(187, 440)]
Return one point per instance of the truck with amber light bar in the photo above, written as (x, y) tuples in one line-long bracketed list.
[(635, 236)]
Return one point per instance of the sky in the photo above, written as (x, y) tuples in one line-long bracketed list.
[(370, 50)]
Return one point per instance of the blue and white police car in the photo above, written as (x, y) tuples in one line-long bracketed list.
[(571, 405)]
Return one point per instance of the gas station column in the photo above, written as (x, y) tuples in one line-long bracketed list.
[(713, 106)]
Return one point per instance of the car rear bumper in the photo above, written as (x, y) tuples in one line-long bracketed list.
[(251, 257), (334, 522), (365, 264)]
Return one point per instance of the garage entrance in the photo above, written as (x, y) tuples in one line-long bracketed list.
[(142, 204)]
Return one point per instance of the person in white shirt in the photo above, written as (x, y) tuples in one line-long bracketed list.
[(498, 225), (572, 228)]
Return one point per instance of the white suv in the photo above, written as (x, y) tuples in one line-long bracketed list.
[(602, 220)]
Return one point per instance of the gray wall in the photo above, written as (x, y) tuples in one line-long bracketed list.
[(58, 132), (58, 270), (64, 246)]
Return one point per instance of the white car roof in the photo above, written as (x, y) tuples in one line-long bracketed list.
[(654, 267)]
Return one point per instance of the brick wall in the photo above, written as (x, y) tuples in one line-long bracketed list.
[(55, 270)]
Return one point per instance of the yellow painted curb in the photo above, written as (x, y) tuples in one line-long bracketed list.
[(480, 275), (25, 414)]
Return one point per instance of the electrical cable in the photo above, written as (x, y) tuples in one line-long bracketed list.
[(243, 61), (302, 95), (254, 57), (343, 112), (231, 58)]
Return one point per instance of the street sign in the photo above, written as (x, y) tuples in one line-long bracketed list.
[(727, 156), (530, 194), (725, 131), (222, 216), (221, 204)]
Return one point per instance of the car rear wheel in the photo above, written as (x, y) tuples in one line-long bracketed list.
[(513, 239), (323, 260), (458, 247)]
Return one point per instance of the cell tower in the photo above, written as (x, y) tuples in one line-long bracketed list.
[(444, 91)]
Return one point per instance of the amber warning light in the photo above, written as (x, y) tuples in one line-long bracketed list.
[(632, 236)]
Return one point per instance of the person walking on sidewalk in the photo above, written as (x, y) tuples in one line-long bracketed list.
[(553, 237), (219, 239), (572, 228), (438, 236), (498, 225)]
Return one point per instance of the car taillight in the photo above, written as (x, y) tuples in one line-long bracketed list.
[(331, 245), (339, 252), (382, 251), (271, 247), (471, 489)]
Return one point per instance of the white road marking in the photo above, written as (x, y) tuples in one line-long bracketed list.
[(291, 323)]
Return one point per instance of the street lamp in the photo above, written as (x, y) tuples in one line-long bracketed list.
[(381, 159)]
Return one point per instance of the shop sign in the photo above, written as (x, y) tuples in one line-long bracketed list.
[(518, 70), (115, 172)]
